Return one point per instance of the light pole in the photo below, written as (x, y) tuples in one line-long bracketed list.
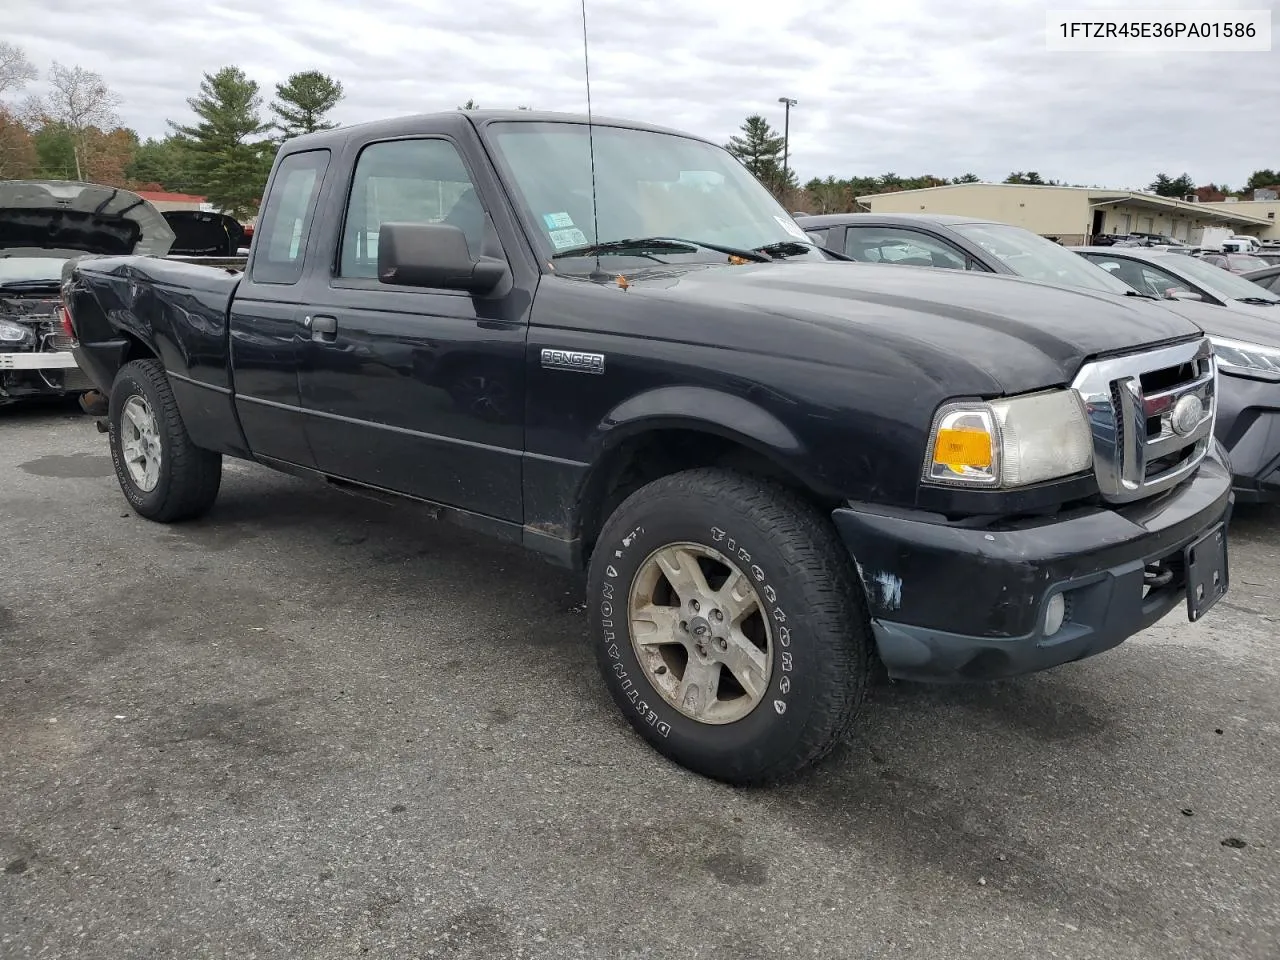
[(786, 138)]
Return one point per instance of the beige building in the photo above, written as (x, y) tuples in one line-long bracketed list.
[(1074, 214), (1268, 210)]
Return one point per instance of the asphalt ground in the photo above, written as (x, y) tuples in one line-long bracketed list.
[(314, 726)]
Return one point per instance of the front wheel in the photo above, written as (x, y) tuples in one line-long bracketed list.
[(164, 476), (729, 625)]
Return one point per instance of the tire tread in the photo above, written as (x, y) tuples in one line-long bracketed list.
[(819, 566)]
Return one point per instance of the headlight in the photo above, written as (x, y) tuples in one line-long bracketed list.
[(1246, 359), (1009, 443), (15, 333)]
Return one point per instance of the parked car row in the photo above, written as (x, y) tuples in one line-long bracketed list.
[(1241, 317)]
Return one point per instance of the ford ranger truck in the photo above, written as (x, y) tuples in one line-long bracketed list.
[(773, 465)]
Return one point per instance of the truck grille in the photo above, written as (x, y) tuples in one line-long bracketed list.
[(1151, 415)]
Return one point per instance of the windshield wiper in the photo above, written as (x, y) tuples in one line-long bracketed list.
[(785, 248), (29, 284), (669, 244), (1262, 300), (1144, 296)]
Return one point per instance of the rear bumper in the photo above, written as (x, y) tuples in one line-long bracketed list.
[(60, 360), (951, 602), (1249, 426)]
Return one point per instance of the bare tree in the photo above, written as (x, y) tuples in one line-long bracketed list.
[(79, 100), (16, 71)]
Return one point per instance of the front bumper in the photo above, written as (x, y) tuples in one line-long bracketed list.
[(951, 601), (1248, 423)]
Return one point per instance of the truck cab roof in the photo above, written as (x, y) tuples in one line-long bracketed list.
[(446, 120)]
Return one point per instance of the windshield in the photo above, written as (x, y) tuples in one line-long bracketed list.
[(647, 185), (19, 269), (1032, 256), (1222, 282)]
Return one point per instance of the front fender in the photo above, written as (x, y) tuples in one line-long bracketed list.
[(701, 408)]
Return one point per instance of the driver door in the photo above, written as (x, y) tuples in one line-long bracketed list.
[(415, 389)]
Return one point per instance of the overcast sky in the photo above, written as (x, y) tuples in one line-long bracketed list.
[(905, 87)]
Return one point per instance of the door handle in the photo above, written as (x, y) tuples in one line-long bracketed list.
[(322, 328)]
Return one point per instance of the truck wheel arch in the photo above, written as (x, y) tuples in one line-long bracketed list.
[(676, 428)]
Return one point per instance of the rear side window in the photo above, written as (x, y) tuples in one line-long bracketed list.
[(281, 239), (899, 245)]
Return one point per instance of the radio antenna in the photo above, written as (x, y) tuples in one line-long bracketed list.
[(591, 146)]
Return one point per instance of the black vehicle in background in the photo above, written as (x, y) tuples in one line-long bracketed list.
[(772, 465), (199, 233)]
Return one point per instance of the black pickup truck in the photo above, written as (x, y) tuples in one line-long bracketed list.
[(774, 465)]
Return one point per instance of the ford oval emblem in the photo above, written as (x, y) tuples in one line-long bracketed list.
[(1187, 413)]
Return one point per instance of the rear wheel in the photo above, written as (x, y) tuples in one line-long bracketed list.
[(164, 476), (728, 625)]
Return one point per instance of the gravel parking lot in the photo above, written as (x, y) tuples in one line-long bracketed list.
[(311, 726)]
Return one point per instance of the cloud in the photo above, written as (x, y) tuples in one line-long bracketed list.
[(911, 87)]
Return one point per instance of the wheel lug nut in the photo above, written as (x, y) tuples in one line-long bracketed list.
[(693, 605), (717, 614), (684, 625), (722, 644)]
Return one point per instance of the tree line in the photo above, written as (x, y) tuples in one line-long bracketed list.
[(760, 148), (73, 131)]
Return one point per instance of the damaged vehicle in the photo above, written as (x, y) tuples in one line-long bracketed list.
[(43, 225)]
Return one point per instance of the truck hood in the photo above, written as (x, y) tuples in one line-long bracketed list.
[(991, 333), (69, 219)]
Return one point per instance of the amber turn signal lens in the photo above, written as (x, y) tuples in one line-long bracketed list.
[(958, 448)]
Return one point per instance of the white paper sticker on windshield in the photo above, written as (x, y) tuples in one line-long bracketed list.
[(563, 239), (792, 228), (557, 221)]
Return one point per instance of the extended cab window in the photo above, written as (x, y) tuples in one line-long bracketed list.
[(406, 181), (895, 245), (287, 216)]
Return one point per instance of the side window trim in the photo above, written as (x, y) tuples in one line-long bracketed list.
[(263, 269), (336, 277)]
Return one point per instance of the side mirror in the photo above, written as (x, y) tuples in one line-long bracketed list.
[(434, 255), (1173, 293)]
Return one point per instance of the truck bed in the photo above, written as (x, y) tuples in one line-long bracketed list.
[(179, 307)]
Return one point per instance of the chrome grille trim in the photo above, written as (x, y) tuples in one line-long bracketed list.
[(1125, 452)]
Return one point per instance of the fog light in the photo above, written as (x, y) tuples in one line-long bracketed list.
[(1055, 611)]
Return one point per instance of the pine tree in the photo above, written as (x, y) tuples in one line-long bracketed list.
[(229, 157), (759, 148), (302, 102)]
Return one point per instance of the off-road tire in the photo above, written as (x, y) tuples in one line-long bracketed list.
[(794, 556), (189, 475)]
